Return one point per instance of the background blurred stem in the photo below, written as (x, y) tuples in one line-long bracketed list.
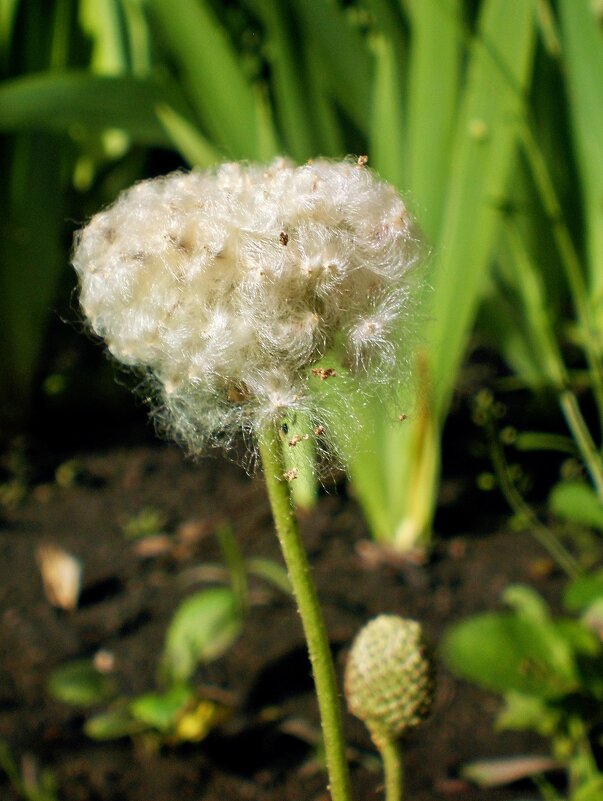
[(541, 533), (583, 439), (299, 452), (569, 260), (548, 352)]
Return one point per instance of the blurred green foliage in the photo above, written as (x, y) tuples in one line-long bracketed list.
[(488, 115), (548, 671), (27, 779)]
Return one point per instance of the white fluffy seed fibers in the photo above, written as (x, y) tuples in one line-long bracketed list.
[(229, 286)]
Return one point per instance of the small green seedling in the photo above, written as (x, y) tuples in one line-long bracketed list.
[(204, 627), (148, 522)]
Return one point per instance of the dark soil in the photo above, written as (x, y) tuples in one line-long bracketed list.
[(266, 750)]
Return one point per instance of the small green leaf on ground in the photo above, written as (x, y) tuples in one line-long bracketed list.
[(80, 684), (203, 629), (577, 502)]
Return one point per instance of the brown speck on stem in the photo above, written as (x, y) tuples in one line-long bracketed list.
[(319, 431), (283, 238), (362, 161), (402, 417), (323, 372), (290, 475), (297, 438)]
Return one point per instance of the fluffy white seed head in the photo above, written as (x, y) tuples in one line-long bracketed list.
[(228, 286)]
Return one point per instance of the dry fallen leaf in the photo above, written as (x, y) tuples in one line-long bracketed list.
[(61, 576)]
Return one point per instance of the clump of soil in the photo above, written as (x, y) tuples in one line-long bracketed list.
[(267, 750)]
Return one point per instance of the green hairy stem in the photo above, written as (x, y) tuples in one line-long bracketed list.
[(304, 590)]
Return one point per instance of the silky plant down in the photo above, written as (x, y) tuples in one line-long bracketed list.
[(229, 286), (236, 291)]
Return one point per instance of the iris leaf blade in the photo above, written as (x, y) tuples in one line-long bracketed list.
[(63, 101)]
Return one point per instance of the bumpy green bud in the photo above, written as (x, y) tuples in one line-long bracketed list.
[(389, 679)]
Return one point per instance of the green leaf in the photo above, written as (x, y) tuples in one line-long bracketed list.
[(347, 64), (582, 640), (577, 502), (434, 87), (582, 53), (555, 638), (204, 627), (288, 77), (480, 162), (528, 713), (80, 683), (527, 603), (271, 572), (160, 710), (325, 120), (268, 144), (591, 791), (233, 559), (210, 72), (387, 131), (113, 724), (583, 592), (395, 467), (543, 441), (503, 652), (74, 100), (31, 256), (518, 314), (8, 14), (187, 138), (101, 23)]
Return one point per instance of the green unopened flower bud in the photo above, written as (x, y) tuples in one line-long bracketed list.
[(389, 679)]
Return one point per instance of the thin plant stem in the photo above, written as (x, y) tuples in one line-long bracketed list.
[(569, 259), (549, 354), (582, 437), (540, 532), (393, 767), (546, 789), (304, 590)]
